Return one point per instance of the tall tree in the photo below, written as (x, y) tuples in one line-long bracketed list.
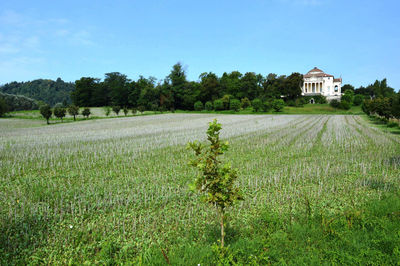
[(177, 79), (83, 92), (292, 86), (118, 85), (209, 87)]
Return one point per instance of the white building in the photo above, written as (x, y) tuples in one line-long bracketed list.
[(317, 82)]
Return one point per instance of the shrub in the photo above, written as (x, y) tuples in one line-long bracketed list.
[(234, 105), (59, 111), (347, 98), (134, 110), (46, 112), (125, 110), (218, 105), (245, 102), (198, 106), (141, 108), (358, 99), (278, 105), (392, 124), (266, 106), (216, 181), (116, 109), (107, 110), (209, 106), (73, 110), (345, 105), (334, 103), (86, 112), (226, 100), (257, 105)]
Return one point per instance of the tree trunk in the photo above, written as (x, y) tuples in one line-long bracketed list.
[(222, 230), (47, 121), (74, 117)]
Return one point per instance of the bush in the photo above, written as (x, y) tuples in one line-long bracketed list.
[(116, 109), (334, 103), (126, 110), (107, 110), (86, 112), (266, 106), (278, 105), (226, 100), (358, 99), (218, 105), (198, 106), (234, 105), (141, 108), (257, 105), (209, 106), (245, 102), (18, 102), (345, 105), (347, 98)]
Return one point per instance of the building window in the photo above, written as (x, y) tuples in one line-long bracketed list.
[(336, 88)]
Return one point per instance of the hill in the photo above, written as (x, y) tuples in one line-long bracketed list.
[(46, 90)]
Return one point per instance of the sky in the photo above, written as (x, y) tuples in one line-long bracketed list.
[(357, 40)]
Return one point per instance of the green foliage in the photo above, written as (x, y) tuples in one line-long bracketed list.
[(358, 99), (73, 110), (45, 90), (116, 109), (218, 105), (198, 106), (216, 181), (278, 105), (107, 110), (46, 112), (141, 108), (266, 106), (226, 100), (257, 105), (334, 103), (59, 111), (18, 102), (3, 107), (345, 105), (347, 98), (86, 112), (245, 102), (234, 105), (380, 106), (125, 110), (209, 106)]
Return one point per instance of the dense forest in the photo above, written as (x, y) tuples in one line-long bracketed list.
[(48, 91)]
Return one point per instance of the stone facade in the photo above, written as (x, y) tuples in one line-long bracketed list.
[(317, 82)]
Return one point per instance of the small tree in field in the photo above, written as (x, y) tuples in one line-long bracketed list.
[(126, 110), (59, 111), (116, 109), (73, 110), (216, 181), (141, 109), (46, 112), (107, 110), (86, 112)]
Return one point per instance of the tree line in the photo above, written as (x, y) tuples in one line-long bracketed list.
[(177, 92)]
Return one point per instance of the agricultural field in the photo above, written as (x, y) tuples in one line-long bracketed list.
[(319, 189)]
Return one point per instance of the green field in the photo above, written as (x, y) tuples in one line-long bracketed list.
[(319, 189)]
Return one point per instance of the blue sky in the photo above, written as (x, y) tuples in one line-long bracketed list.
[(358, 40)]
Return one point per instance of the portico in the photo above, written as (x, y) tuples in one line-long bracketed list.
[(317, 82)]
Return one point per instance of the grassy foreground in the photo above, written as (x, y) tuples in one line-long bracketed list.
[(319, 189)]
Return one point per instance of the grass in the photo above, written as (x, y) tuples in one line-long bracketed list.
[(319, 189)]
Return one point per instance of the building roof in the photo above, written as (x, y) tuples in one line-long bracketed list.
[(337, 80), (316, 72)]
